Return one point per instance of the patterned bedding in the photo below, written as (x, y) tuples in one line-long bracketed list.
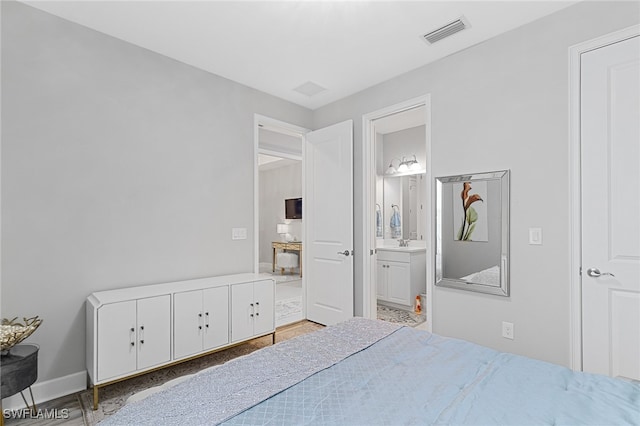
[(390, 375)]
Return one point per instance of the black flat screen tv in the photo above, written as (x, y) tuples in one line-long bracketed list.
[(293, 208)]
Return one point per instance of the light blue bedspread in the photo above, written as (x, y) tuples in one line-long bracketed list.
[(413, 377), (357, 376)]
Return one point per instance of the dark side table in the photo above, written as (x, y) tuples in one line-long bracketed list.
[(19, 371)]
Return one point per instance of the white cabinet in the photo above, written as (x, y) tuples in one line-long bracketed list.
[(133, 335), (201, 320), (131, 330), (252, 309), (401, 276), (393, 282)]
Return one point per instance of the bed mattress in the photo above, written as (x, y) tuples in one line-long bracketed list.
[(375, 373)]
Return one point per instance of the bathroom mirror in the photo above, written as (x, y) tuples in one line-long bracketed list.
[(472, 232), (403, 195)]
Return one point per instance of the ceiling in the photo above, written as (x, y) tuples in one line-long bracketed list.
[(277, 46)]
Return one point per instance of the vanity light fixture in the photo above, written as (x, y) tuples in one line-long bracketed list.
[(407, 165), (392, 170)]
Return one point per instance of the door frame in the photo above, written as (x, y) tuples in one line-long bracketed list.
[(575, 189), (368, 203), (261, 121)]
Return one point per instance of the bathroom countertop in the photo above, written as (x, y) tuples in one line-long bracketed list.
[(409, 249)]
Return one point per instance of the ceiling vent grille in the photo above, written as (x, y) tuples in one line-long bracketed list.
[(446, 31)]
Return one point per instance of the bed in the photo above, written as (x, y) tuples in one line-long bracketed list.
[(366, 372)]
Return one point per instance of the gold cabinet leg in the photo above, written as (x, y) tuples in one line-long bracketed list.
[(273, 338), (95, 397)]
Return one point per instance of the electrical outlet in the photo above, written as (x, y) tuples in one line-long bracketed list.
[(507, 330)]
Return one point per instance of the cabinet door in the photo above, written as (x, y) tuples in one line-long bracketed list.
[(381, 280), (187, 323), (242, 311), (399, 283), (264, 297), (154, 331), (216, 317), (116, 339)]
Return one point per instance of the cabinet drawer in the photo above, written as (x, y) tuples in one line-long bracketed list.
[(394, 256)]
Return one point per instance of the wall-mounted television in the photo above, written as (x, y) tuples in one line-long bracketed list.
[(293, 208)]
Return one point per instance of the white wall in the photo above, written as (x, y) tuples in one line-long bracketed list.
[(502, 104), (120, 167), (276, 185)]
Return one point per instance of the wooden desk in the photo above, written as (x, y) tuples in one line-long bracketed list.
[(288, 246)]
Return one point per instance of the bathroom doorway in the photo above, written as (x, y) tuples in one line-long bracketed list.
[(398, 225), (278, 177)]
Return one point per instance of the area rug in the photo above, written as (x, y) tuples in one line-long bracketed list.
[(400, 316), (113, 397)]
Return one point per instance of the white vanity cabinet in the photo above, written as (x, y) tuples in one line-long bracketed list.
[(252, 309), (133, 335), (200, 321), (401, 276), (137, 329)]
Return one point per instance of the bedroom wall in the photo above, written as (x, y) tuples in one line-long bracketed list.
[(275, 186), (502, 104), (120, 167)]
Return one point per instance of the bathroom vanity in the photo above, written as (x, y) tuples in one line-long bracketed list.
[(401, 275)]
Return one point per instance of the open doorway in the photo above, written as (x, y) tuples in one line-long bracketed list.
[(398, 220), (279, 227)]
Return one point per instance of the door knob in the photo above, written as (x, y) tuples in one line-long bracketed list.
[(595, 273), (344, 253)]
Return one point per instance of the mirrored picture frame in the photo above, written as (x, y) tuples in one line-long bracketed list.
[(472, 232)]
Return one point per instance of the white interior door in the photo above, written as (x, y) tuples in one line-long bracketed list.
[(328, 221), (610, 143)]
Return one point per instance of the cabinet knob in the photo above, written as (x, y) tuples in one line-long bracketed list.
[(142, 327), (257, 303), (132, 344), (133, 329), (199, 327), (200, 315), (257, 313), (141, 341), (206, 313), (251, 315), (207, 325)]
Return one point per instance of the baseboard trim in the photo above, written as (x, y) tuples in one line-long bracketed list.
[(48, 390)]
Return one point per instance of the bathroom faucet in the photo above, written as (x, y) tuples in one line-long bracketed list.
[(403, 243)]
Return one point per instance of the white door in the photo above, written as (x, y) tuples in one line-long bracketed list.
[(328, 213), (242, 311), (116, 339), (187, 323), (215, 303), (610, 143), (264, 297), (154, 331)]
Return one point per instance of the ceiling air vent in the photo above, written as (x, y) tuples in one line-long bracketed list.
[(445, 31)]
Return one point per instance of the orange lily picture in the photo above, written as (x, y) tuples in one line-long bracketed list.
[(469, 217)]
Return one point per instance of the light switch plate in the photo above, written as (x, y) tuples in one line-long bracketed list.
[(239, 233), (535, 236)]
